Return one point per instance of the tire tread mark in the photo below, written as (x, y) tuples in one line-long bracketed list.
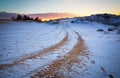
[(67, 61), (39, 53)]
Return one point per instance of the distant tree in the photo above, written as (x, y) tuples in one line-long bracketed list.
[(25, 17), (40, 20), (13, 18), (19, 17), (37, 19), (31, 19)]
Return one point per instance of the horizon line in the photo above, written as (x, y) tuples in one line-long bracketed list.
[(62, 13)]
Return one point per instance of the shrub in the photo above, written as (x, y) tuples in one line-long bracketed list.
[(13, 18), (56, 22), (25, 17), (37, 19), (100, 30), (111, 29), (72, 21), (19, 17)]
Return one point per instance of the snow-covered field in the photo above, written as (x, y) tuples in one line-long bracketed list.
[(104, 48), (65, 50)]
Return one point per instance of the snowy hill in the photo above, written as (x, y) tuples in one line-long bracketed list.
[(108, 19)]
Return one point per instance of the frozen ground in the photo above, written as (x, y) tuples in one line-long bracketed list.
[(63, 50), (104, 48)]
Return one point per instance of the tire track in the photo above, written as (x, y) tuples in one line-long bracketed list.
[(53, 69), (38, 54)]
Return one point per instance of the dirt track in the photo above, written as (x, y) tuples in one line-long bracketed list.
[(62, 63), (65, 63), (39, 53)]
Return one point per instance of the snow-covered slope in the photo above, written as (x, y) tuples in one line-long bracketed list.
[(60, 49), (108, 19), (104, 47), (31, 46), (20, 38)]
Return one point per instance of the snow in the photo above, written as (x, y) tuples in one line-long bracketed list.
[(31, 65), (18, 39), (104, 49)]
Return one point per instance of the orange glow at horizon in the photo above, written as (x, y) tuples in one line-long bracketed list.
[(69, 15), (54, 16), (46, 18)]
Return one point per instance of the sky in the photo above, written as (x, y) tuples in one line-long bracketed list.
[(77, 7)]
